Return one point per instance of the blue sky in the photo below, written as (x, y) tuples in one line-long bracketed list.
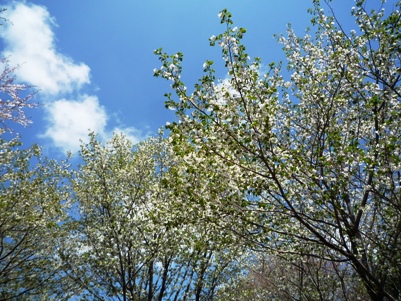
[(92, 61)]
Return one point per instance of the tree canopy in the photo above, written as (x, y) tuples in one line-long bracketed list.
[(276, 182), (314, 156)]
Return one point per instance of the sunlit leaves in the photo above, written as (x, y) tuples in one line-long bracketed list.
[(317, 157)]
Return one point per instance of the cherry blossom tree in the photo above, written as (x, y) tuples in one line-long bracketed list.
[(14, 98), (12, 103), (132, 239), (31, 202), (312, 158)]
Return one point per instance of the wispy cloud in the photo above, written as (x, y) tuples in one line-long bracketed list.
[(30, 42)]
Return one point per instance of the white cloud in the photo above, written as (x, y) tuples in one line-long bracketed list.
[(29, 41), (72, 120)]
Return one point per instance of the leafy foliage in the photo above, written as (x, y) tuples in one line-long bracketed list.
[(31, 203), (315, 159), (131, 240)]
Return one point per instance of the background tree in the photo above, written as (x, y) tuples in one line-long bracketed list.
[(270, 277), (131, 240), (317, 158), (31, 202)]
